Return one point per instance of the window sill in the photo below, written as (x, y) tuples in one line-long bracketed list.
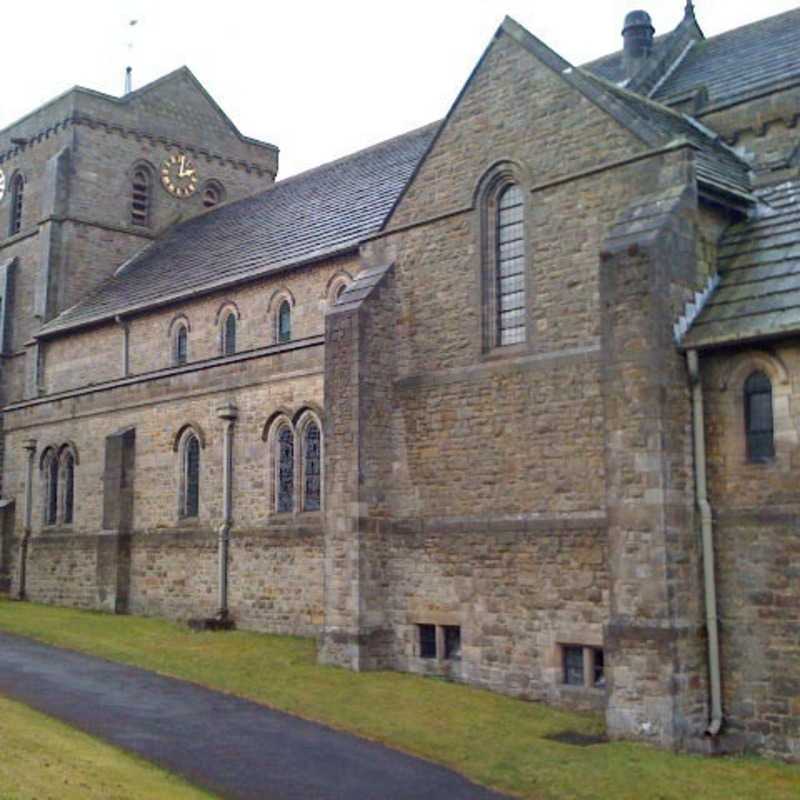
[(506, 351)]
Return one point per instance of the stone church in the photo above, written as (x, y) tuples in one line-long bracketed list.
[(512, 399)]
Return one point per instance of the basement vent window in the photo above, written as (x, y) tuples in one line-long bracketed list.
[(452, 642), (427, 641), (439, 642), (583, 666)]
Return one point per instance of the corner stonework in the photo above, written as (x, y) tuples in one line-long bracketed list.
[(359, 378), (655, 637)]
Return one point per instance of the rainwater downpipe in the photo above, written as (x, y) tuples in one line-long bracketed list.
[(30, 447), (228, 413), (709, 579)]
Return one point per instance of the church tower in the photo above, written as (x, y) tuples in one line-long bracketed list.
[(88, 180)]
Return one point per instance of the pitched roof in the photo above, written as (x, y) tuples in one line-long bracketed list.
[(739, 62), (324, 211), (759, 271), (718, 165), (729, 66)]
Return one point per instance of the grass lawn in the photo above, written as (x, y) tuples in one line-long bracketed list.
[(41, 758), (494, 740)]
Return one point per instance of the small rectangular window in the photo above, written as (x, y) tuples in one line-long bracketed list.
[(452, 642), (598, 671), (427, 641), (573, 665)]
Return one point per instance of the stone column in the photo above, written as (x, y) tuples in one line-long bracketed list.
[(228, 414), (30, 447)]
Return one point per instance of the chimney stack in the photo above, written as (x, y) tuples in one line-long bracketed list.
[(637, 37)]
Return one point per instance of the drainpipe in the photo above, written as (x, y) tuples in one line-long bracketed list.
[(30, 446), (709, 580), (228, 413)]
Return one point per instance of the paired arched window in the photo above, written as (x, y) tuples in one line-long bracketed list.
[(17, 192), (758, 417), (58, 474), (190, 476), (297, 464), (510, 317), (284, 322), (229, 334), (312, 467), (181, 346), (285, 470), (141, 189)]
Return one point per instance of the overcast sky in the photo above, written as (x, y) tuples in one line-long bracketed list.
[(318, 79)]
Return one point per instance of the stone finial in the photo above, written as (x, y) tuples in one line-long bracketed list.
[(688, 12)]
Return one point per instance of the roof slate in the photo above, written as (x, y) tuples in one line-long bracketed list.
[(737, 63), (759, 269), (318, 213)]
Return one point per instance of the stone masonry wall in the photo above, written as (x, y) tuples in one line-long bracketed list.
[(275, 576), (756, 512)]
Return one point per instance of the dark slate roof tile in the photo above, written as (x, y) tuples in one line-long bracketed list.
[(318, 213), (759, 268), (741, 61)]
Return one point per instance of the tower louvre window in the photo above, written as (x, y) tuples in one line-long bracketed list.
[(211, 196), (140, 197), (17, 191)]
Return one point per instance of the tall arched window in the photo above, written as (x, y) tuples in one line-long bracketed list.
[(49, 467), (312, 468), (17, 191), (141, 187), (229, 335), (510, 266), (190, 488), (284, 489), (284, 322), (69, 487), (181, 345), (758, 418)]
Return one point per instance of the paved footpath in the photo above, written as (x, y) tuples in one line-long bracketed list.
[(232, 747)]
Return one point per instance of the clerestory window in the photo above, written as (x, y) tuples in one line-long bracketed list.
[(17, 192), (510, 267)]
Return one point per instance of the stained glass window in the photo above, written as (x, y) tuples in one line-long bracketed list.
[(230, 335), (51, 514), (191, 488), (69, 488), (313, 468), (285, 322), (758, 417), (17, 189), (511, 266), (285, 490), (181, 342)]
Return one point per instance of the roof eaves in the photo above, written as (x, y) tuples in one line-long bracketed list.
[(52, 328)]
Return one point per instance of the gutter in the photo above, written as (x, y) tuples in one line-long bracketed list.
[(709, 579)]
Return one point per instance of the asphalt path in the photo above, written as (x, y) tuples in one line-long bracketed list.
[(232, 747)]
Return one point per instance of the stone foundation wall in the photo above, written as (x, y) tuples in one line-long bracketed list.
[(517, 591)]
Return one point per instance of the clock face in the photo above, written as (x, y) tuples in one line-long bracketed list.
[(2, 184), (179, 175)]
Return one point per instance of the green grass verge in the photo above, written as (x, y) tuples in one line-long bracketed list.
[(41, 758), (494, 740)]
